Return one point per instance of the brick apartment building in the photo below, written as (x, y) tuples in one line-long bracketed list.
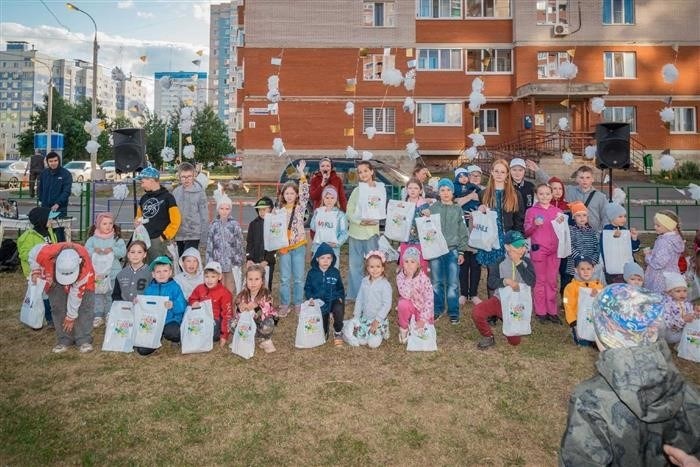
[(316, 46)]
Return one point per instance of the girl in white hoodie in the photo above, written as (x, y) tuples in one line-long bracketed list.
[(192, 273)]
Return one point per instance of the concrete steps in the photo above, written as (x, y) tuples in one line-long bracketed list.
[(555, 167)]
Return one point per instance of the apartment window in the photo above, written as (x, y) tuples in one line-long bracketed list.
[(618, 11), (487, 122), (379, 14), (489, 61), (440, 9), (548, 64), (373, 64), (439, 59), (552, 11), (442, 113), (488, 8), (620, 65), (621, 115), (381, 118), (684, 121)]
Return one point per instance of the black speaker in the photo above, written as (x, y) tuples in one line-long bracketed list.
[(613, 145), (129, 149)]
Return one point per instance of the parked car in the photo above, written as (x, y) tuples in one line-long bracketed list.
[(393, 179), (12, 173), (110, 171), (80, 170)]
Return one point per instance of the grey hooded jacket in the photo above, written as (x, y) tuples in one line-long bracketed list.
[(194, 211)]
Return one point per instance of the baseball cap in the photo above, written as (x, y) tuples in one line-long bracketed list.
[(514, 238), (473, 169), (461, 171), (517, 162), (263, 202), (67, 266), (160, 260), (213, 266), (149, 172)]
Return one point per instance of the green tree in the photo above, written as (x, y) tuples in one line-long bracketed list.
[(155, 128), (210, 137)]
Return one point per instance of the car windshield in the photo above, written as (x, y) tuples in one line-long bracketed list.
[(75, 165), (395, 177), (5, 164), (107, 164)]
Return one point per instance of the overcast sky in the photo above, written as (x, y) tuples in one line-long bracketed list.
[(167, 32)]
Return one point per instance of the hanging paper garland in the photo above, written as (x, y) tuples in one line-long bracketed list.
[(351, 153), (667, 115), (670, 73), (120, 191), (278, 146), (597, 105)]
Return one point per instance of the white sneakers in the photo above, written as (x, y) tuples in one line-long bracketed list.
[(267, 346), (84, 348), (97, 322), (59, 348)]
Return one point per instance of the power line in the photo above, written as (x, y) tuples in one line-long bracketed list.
[(54, 16)]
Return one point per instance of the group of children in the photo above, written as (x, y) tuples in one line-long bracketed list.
[(237, 276)]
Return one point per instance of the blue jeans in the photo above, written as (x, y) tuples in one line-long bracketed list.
[(357, 249), (292, 264), (444, 273)]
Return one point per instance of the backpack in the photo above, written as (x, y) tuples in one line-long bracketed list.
[(9, 256)]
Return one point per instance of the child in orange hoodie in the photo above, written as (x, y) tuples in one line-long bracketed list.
[(583, 279)]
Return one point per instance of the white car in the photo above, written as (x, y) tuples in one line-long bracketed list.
[(111, 171), (80, 170)]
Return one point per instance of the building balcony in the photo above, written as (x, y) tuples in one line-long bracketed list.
[(562, 90)]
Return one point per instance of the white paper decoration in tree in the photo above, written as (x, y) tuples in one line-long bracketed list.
[(165, 82), (477, 139), (597, 104), (563, 123), (370, 131), (409, 105), (392, 77), (567, 157), (366, 155), (351, 153), (94, 127), (349, 108), (694, 191), (92, 146), (409, 81), (471, 153), (667, 115), (188, 151), (589, 152), (120, 191), (167, 154), (477, 85), (76, 189), (476, 100), (667, 162), (670, 73), (568, 70), (273, 95), (412, 150), (278, 146), (185, 126)]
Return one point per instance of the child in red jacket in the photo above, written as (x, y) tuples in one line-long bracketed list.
[(221, 300)]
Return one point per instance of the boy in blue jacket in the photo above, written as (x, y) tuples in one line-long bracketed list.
[(323, 282), (164, 285)]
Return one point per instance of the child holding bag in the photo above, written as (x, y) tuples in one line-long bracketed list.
[(293, 200), (133, 279), (323, 282), (255, 252), (678, 311), (373, 303), (225, 241), (221, 300), (617, 217), (256, 297), (414, 194), (105, 242), (584, 278), (329, 223), (415, 294), (515, 269), (544, 242), (668, 246), (584, 241)]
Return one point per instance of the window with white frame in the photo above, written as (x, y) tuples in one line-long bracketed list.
[(552, 11), (548, 64), (439, 59), (620, 65), (618, 11), (379, 14), (381, 118), (440, 9), (439, 113), (487, 121), (489, 60), (373, 64), (684, 120), (488, 9), (627, 114)]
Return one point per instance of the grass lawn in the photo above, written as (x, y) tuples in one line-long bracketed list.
[(347, 406)]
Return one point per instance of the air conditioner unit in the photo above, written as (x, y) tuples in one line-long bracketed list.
[(560, 29)]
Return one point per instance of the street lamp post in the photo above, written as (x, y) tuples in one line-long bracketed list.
[(93, 157), (49, 111)]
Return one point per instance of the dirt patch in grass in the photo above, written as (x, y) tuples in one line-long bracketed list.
[(342, 406)]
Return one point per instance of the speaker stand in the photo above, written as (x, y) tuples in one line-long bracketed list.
[(610, 184), (133, 181)]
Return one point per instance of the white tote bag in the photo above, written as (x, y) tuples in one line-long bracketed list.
[(584, 315), (325, 226), (119, 332), (484, 233), (149, 320), (237, 273), (197, 329), (617, 251), (689, 347), (424, 340), (432, 242), (140, 233), (102, 264), (399, 218), (310, 326), (384, 245), (349, 336), (32, 311), (172, 249), (275, 230), (243, 343), (372, 201), (516, 309), (561, 229)]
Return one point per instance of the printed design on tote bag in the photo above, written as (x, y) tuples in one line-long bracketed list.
[(430, 235), (147, 323), (276, 228), (311, 325), (195, 326), (122, 327), (693, 338), (243, 331), (373, 201), (516, 311)]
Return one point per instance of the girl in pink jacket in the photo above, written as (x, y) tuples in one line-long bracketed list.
[(415, 293), (544, 242)]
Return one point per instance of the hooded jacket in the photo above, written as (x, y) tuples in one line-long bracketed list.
[(225, 243), (668, 247), (173, 291), (221, 304), (419, 291), (527, 190), (161, 216), (54, 188), (316, 189), (542, 237), (623, 416), (185, 280), (194, 211), (570, 298), (324, 285), (38, 234)]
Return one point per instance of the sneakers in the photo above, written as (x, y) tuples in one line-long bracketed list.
[(476, 300), (85, 348), (454, 321), (97, 322), (463, 300), (297, 309), (554, 319), (283, 311), (403, 336), (492, 320), (542, 319), (59, 348), (50, 326), (267, 346), (338, 339), (486, 342)]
